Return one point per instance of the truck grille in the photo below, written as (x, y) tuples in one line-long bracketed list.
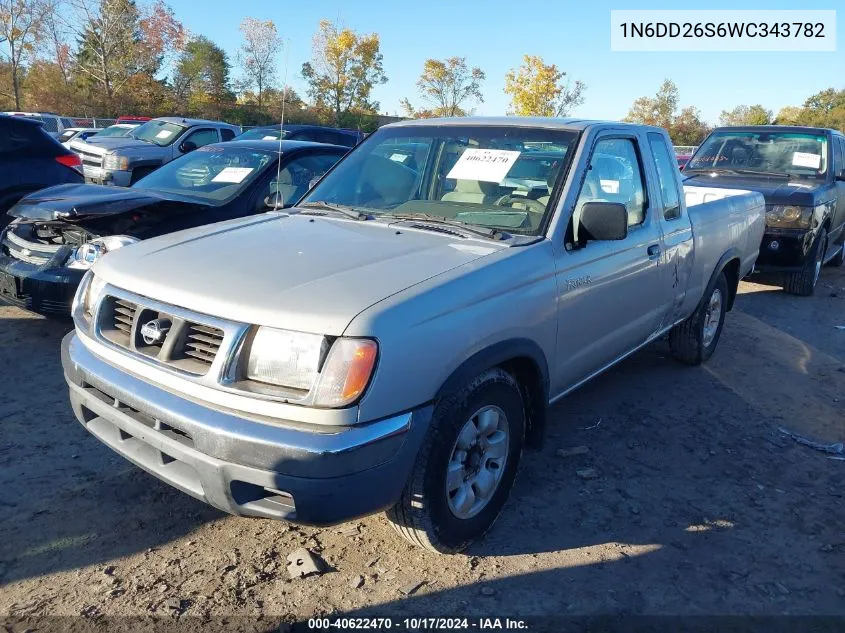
[(184, 343), (90, 159), (203, 342), (27, 249)]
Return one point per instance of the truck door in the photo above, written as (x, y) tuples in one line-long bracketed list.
[(610, 299), (676, 260)]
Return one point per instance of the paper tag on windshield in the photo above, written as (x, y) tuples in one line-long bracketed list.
[(164, 134), (269, 138), (399, 158), (803, 159), (487, 165), (232, 174)]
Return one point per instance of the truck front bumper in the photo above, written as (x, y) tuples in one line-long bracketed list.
[(47, 289), (100, 176), (244, 466), (784, 250)]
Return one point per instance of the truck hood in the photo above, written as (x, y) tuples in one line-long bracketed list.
[(775, 190), (79, 202), (309, 274)]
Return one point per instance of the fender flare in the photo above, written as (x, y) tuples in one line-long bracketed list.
[(536, 396), (731, 254)]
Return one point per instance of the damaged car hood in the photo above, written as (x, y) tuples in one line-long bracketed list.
[(309, 274), (76, 202)]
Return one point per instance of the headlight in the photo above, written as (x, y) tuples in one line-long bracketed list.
[(112, 161), (789, 217), (285, 359), (84, 256), (86, 294), (335, 377)]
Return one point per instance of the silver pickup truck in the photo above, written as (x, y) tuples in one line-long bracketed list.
[(124, 160), (396, 339)]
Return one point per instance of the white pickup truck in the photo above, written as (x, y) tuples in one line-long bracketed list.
[(396, 339)]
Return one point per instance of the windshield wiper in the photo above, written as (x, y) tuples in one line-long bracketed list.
[(759, 172), (337, 209), (473, 229)]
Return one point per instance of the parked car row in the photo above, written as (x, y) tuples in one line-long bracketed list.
[(396, 320)]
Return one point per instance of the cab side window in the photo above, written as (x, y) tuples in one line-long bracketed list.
[(838, 155), (615, 175), (226, 134), (666, 168), (202, 137)]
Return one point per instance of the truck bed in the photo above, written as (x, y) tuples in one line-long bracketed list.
[(718, 217)]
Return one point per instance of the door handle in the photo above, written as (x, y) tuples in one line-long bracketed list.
[(654, 250)]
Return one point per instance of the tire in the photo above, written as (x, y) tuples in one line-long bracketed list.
[(803, 283), (694, 340), (429, 515)]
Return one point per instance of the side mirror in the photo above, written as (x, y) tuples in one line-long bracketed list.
[(187, 146), (604, 221)]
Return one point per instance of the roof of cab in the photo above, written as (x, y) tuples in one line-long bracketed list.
[(575, 124), (287, 146)]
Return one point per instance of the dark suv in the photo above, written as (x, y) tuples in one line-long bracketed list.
[(298, 132), (31, 159), (801, 173)]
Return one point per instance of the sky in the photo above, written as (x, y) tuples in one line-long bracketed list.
[(494, 35)]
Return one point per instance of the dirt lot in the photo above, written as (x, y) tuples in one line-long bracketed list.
[(700, 505)]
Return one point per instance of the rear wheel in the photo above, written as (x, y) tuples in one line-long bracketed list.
[(803, 283), (466, 466), (694, 340)]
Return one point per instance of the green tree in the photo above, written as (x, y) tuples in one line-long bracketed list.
[(21, 26), (685, 128), (201, 80), (117, 41), (446, 85), (343, 70), (540, 89), (746, 115), (658, 110), (789, 115), (825, 109), (257, 55)]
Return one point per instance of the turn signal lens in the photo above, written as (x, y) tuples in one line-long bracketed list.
[(346, 372)]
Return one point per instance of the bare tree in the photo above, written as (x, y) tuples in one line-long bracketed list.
[(257, 55), (21, 22)]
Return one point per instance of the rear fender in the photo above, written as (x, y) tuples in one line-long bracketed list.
[(729, 256)]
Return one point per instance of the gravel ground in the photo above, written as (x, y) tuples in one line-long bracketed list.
[(699, 505)]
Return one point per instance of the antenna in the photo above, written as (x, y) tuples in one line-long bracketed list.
[(282, 123)]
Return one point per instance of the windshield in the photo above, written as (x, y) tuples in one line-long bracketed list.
[(496, 177), (263, 134), (159, 132), (775, 153), (116, 130), (214, 174)]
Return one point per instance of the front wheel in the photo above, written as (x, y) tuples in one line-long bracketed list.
[(694, 340), (803, 283), (466, 466)]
